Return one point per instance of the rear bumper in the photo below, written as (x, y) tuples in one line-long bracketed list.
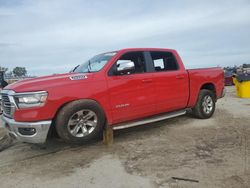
[(223, 92), (30, 132)]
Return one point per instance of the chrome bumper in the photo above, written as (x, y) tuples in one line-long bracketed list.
[(223, 92), (30, 132)]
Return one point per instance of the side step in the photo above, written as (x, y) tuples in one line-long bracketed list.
[(150, 119)]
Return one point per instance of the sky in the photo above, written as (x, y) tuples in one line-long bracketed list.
[(53, 36)]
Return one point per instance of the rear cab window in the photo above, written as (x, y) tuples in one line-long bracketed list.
[(163, 61)]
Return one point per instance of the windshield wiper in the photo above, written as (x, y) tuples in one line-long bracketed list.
[(73, 70)]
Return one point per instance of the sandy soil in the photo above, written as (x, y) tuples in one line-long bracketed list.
[(216, 152)]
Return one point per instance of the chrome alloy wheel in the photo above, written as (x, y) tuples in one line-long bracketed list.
[(207, 104), (82, 123)]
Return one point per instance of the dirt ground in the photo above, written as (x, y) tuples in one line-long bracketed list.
[(215, 152)]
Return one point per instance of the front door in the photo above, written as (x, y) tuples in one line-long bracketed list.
[(131, 94)]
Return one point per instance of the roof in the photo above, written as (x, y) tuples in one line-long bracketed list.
[(146, 49)]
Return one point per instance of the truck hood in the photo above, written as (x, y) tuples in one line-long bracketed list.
[(46, 82)]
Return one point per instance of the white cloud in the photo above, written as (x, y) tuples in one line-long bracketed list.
[(64, 33)]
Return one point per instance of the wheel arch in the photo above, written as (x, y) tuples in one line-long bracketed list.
[(209, 86), (53, 131)]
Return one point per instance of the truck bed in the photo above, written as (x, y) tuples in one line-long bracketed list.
[(199, 76)]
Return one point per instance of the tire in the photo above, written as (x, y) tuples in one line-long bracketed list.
[(80, 122), (205, 105)]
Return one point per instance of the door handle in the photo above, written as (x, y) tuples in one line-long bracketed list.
[(147, 80), (179, 77)]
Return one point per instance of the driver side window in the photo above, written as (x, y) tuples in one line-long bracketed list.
[(137, 58)]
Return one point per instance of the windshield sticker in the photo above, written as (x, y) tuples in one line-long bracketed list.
[(78, 77)]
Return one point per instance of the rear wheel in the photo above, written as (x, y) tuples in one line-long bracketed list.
[(205, 105), (80, 122)]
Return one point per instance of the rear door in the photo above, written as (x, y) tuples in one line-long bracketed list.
[(171, 83), (132, 95)]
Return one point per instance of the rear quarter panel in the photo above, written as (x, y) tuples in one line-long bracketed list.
[(199, 77)]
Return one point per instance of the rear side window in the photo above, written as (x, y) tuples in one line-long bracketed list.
[(164, 61)]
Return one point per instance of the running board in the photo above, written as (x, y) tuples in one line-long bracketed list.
[(149, 120)]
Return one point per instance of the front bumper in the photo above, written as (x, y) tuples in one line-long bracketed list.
[(30, 132)]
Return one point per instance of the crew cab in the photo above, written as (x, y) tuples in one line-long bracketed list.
[(119, 89)]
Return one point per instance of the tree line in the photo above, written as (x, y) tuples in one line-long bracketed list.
[(15, 72)]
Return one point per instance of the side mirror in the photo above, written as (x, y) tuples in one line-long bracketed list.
[(124, 66)]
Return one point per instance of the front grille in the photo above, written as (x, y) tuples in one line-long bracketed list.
[(7, 106)]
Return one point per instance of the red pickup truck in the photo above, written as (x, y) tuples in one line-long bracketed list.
[(121, 89)]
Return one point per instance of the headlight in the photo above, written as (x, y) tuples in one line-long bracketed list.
[(32, 99)]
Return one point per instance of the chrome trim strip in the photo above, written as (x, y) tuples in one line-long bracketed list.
[(13, 105), (150, 119), (29, 93), (13, 93), (6, 91)]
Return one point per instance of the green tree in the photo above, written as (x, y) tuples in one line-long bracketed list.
[(9, 74), (19, 71), (3, 69)]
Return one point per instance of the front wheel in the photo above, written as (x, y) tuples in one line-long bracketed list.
[(205, 105), (80, 122)]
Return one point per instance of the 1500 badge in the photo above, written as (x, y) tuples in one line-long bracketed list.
[(121, 105), (78, 77)]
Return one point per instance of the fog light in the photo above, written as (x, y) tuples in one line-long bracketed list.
[(27, 131)]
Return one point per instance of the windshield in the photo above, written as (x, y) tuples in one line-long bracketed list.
[(95, 64)]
